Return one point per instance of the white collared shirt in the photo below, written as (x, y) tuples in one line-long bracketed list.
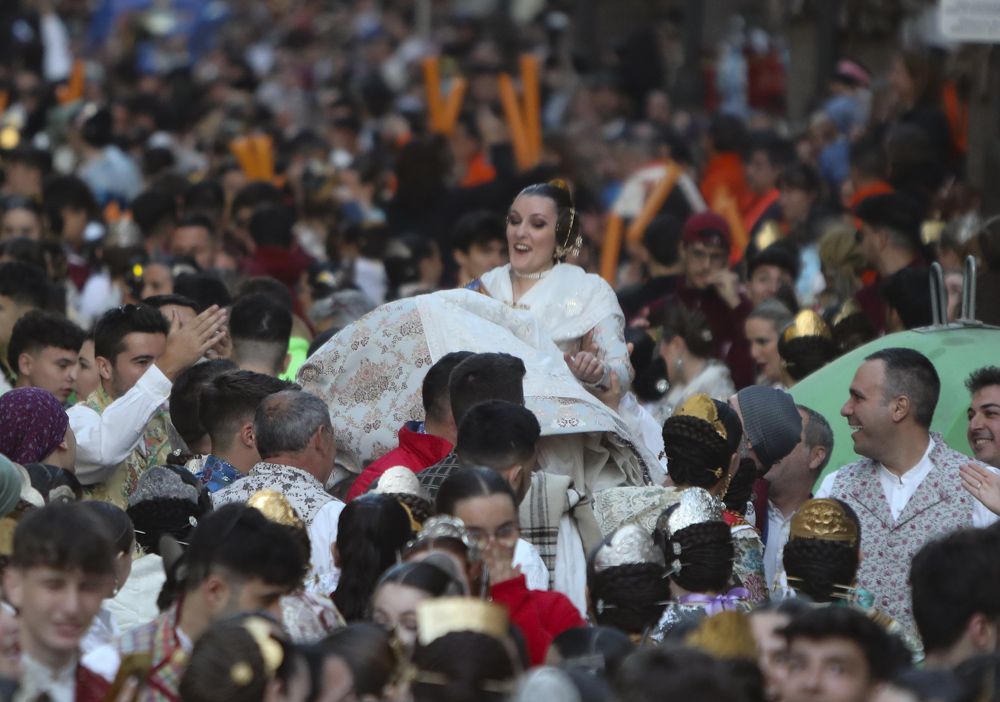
[(38, 679), (104, 440), (899, 489), (778, 526)]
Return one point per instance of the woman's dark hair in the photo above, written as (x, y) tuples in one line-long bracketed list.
[(805, 354), (175, 517), (425, 576), (820, 570), (463, 666), (696, 454), (629, 597), (597, 649), (741, 487), (800, 176), (932, 685), (117, 523), (54, 484), (468, 483), (673, 673), (692, 326), (367, 650), (370, 535), (223, 646), (567, 222), (649, 366), (706, 554), (852, 331)]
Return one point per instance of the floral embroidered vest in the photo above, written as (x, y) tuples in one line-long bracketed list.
[(152, 450), (939, 506)]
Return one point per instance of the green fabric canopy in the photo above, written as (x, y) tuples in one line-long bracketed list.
[(955, 350)]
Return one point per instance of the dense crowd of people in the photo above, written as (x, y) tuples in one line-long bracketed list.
[(398, 351)]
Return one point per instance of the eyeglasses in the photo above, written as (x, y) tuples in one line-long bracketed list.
[(506, 535)]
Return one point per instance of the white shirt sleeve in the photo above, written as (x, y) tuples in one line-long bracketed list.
[(58, 61), (104, 440), (532, 566), (322, 537), (826, 487)]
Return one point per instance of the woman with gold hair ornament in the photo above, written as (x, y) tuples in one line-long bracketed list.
[(698, 548), (578, 310), (820, 563), (805, 346), (702, 444)]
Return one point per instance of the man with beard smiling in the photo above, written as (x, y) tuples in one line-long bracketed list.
[(906, 489)]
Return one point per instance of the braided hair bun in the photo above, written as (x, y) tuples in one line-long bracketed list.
[(706, 556), (696, 454)]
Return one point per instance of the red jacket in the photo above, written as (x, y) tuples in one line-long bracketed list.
[(416, 451), (541, 615)]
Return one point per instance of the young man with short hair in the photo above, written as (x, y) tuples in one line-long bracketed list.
[(194, 238), (260, 329), (956, 603), (421, 444), (22, 288), (228, 404), (502, 436), (238, 561), (480, 377), (61, 568), (838, 654), (123, 428), (478, 244), (44, 352)]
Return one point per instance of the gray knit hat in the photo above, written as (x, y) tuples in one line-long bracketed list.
[(771, 421)]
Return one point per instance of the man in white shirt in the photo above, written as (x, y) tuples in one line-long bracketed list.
[(790, 484), (123, 428), (61, 568), (907, 489), (295, 441)]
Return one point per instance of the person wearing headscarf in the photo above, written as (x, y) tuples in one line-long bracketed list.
[(34, 428), (11, 485)]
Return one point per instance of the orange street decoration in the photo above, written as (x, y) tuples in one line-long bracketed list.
[(255, 154), (615, 231), (442, 111), (73, 90), (524, 117)]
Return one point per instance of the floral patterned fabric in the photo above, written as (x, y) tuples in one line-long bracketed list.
[(939, 506), (569, 303), (370, 375), (151, 451)]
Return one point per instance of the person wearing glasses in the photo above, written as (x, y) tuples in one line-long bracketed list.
[(124, 428), (485, 502)]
